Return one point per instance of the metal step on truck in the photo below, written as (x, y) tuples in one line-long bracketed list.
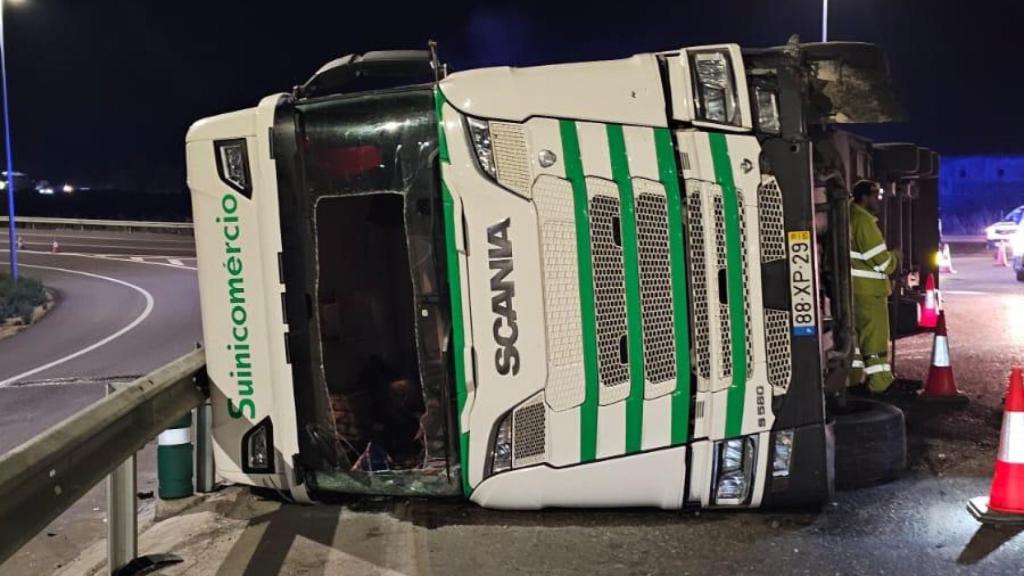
[(579, 285)]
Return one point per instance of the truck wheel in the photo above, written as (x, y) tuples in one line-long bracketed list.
[(1020, 275), (870, 443)]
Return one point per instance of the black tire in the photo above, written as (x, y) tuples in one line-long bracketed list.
[(870, 443), (1020, 275)]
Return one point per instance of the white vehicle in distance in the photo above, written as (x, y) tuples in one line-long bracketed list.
[(1003, 230), (1017, 246)]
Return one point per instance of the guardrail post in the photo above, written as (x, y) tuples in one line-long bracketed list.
[(204, 447), (122, 518)]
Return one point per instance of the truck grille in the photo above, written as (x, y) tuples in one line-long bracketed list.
[(746, 283), (721, 264), (508, 142), (698, 279), (553, 198), (655, 288), (773, 229), (777, 341), (529, 433), (609, 290)]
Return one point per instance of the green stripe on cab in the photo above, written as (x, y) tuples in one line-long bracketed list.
[(574, 173), (734, 283), (631, 265), (669, 175)]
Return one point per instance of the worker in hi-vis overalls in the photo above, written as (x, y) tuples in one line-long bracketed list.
[(871, 265)]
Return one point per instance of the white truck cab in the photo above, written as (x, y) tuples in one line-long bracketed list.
[(579, 285)]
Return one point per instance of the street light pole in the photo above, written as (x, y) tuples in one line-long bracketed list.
[(824, 20), (10, 154)]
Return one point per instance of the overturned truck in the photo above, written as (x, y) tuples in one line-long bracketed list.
[(594, 284)]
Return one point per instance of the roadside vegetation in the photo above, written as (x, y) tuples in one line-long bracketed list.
[(18, 300)]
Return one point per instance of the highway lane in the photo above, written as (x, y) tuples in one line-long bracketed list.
[(118, 316), (107, 242)]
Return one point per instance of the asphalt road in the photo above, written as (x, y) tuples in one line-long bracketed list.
[(125, 305), (915, 525)]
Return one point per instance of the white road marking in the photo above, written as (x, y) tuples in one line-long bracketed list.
[(965, 292), (134, 239), (118, 257), (138, 320), (136, 259), (121, 246), (175, 261)]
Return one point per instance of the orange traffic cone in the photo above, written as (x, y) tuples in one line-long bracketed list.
[(946, 261), (930, 311), (941, 385), (1001, 257), (1005, 504), (55, 247)]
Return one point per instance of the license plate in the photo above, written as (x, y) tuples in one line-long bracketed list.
[(801, 284)]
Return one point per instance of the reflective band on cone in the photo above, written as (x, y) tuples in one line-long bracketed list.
[(929, 312), (940, 358), (1007, 494), (941, 385), (1013, 427)]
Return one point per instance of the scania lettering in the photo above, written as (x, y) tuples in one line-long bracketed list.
[(580, 285)]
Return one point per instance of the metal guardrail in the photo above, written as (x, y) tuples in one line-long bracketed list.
[(41, 478), (39, 222)]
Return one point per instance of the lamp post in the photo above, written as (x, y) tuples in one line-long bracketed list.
[(824, 20), (10, 155)]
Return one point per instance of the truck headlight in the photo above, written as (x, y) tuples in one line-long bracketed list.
[(715, 87), (233, 165), (501, 452), (480, 135), (767, 110), (783, 454), (734, 467), (258, 448)]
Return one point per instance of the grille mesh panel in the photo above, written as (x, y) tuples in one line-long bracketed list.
[(698, 279), (777, 340), (508, 143), (609, 289), (529, 434), (656, 288), (721, 260), (773, 234), (565, 386), (747, 324)]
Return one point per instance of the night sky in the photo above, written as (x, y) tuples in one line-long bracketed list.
[(104, 90)]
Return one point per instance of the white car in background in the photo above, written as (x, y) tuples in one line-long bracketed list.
[(1003, 230), (1017, 248)]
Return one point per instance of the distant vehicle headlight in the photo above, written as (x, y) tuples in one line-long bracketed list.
[(68, 189), (480, 135), (715, 87)]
